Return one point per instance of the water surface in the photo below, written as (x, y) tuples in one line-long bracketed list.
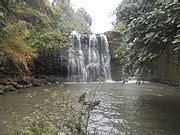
[(124, 108)]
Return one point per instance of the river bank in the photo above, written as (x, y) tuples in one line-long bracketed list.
[(12, 84)]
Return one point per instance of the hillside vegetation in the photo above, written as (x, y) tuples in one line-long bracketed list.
[(30, 27), (149, 43)]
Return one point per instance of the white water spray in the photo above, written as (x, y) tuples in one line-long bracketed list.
[(98, 59)]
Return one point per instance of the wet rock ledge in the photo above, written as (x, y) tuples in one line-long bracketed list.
[(9, 84)]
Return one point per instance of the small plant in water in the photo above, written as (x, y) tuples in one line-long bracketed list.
[(56, 115)]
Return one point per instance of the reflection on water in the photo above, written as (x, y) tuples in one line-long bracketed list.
[(125, 108)]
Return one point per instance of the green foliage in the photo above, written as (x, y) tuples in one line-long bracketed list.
[(120, 26), (38, 4), (30, 25), (152, 31), (81, 12), (1, 15), (68, 19), (125, 13), (50, 39), (32, 15), (36, 124), (16, 46), (156, 30)]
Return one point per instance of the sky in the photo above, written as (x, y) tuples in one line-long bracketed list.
[(101, 12)]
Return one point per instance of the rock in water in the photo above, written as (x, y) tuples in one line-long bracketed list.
[(9, 88), (82, 98), (1, 92)]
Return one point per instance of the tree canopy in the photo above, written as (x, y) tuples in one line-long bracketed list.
[(29, 27), (151, 36)]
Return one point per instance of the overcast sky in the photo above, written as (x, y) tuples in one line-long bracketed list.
[(100, 11)]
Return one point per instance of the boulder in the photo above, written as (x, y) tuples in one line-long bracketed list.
[(177, 88), (13, 84), (23, 82), (20, 91), (19, 86), (1, 92), (9, 88), (42, 76), (2, 87), (30, 85), (3, 83), (37, 84)]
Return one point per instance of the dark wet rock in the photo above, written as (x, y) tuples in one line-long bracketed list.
[(3, 83), (25, 81), (1, 92), (20, 91), (48, 83), (13, 89), (61, 79), (177, 88), (2, 75), (1, 89), (13, 84), (19, 86), (37, 82), (92, 105), (9, 88), (41, 77), (114, 39), (56, 64), (116, 72), (52, 79), (30, 85)]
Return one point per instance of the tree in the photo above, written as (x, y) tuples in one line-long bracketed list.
[(81, 12), (151, 37)]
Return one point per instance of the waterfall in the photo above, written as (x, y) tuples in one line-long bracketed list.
[(89, 62), (105, 57), (93, 66), (76, 68)]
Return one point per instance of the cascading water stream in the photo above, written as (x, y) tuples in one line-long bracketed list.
[(77, 70), (97, 64), (105, 58), (93, 67)]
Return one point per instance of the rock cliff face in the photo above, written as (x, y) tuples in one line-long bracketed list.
[(56, 61), (167, 70), (87, 59), (52, 62), (114, 39)]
